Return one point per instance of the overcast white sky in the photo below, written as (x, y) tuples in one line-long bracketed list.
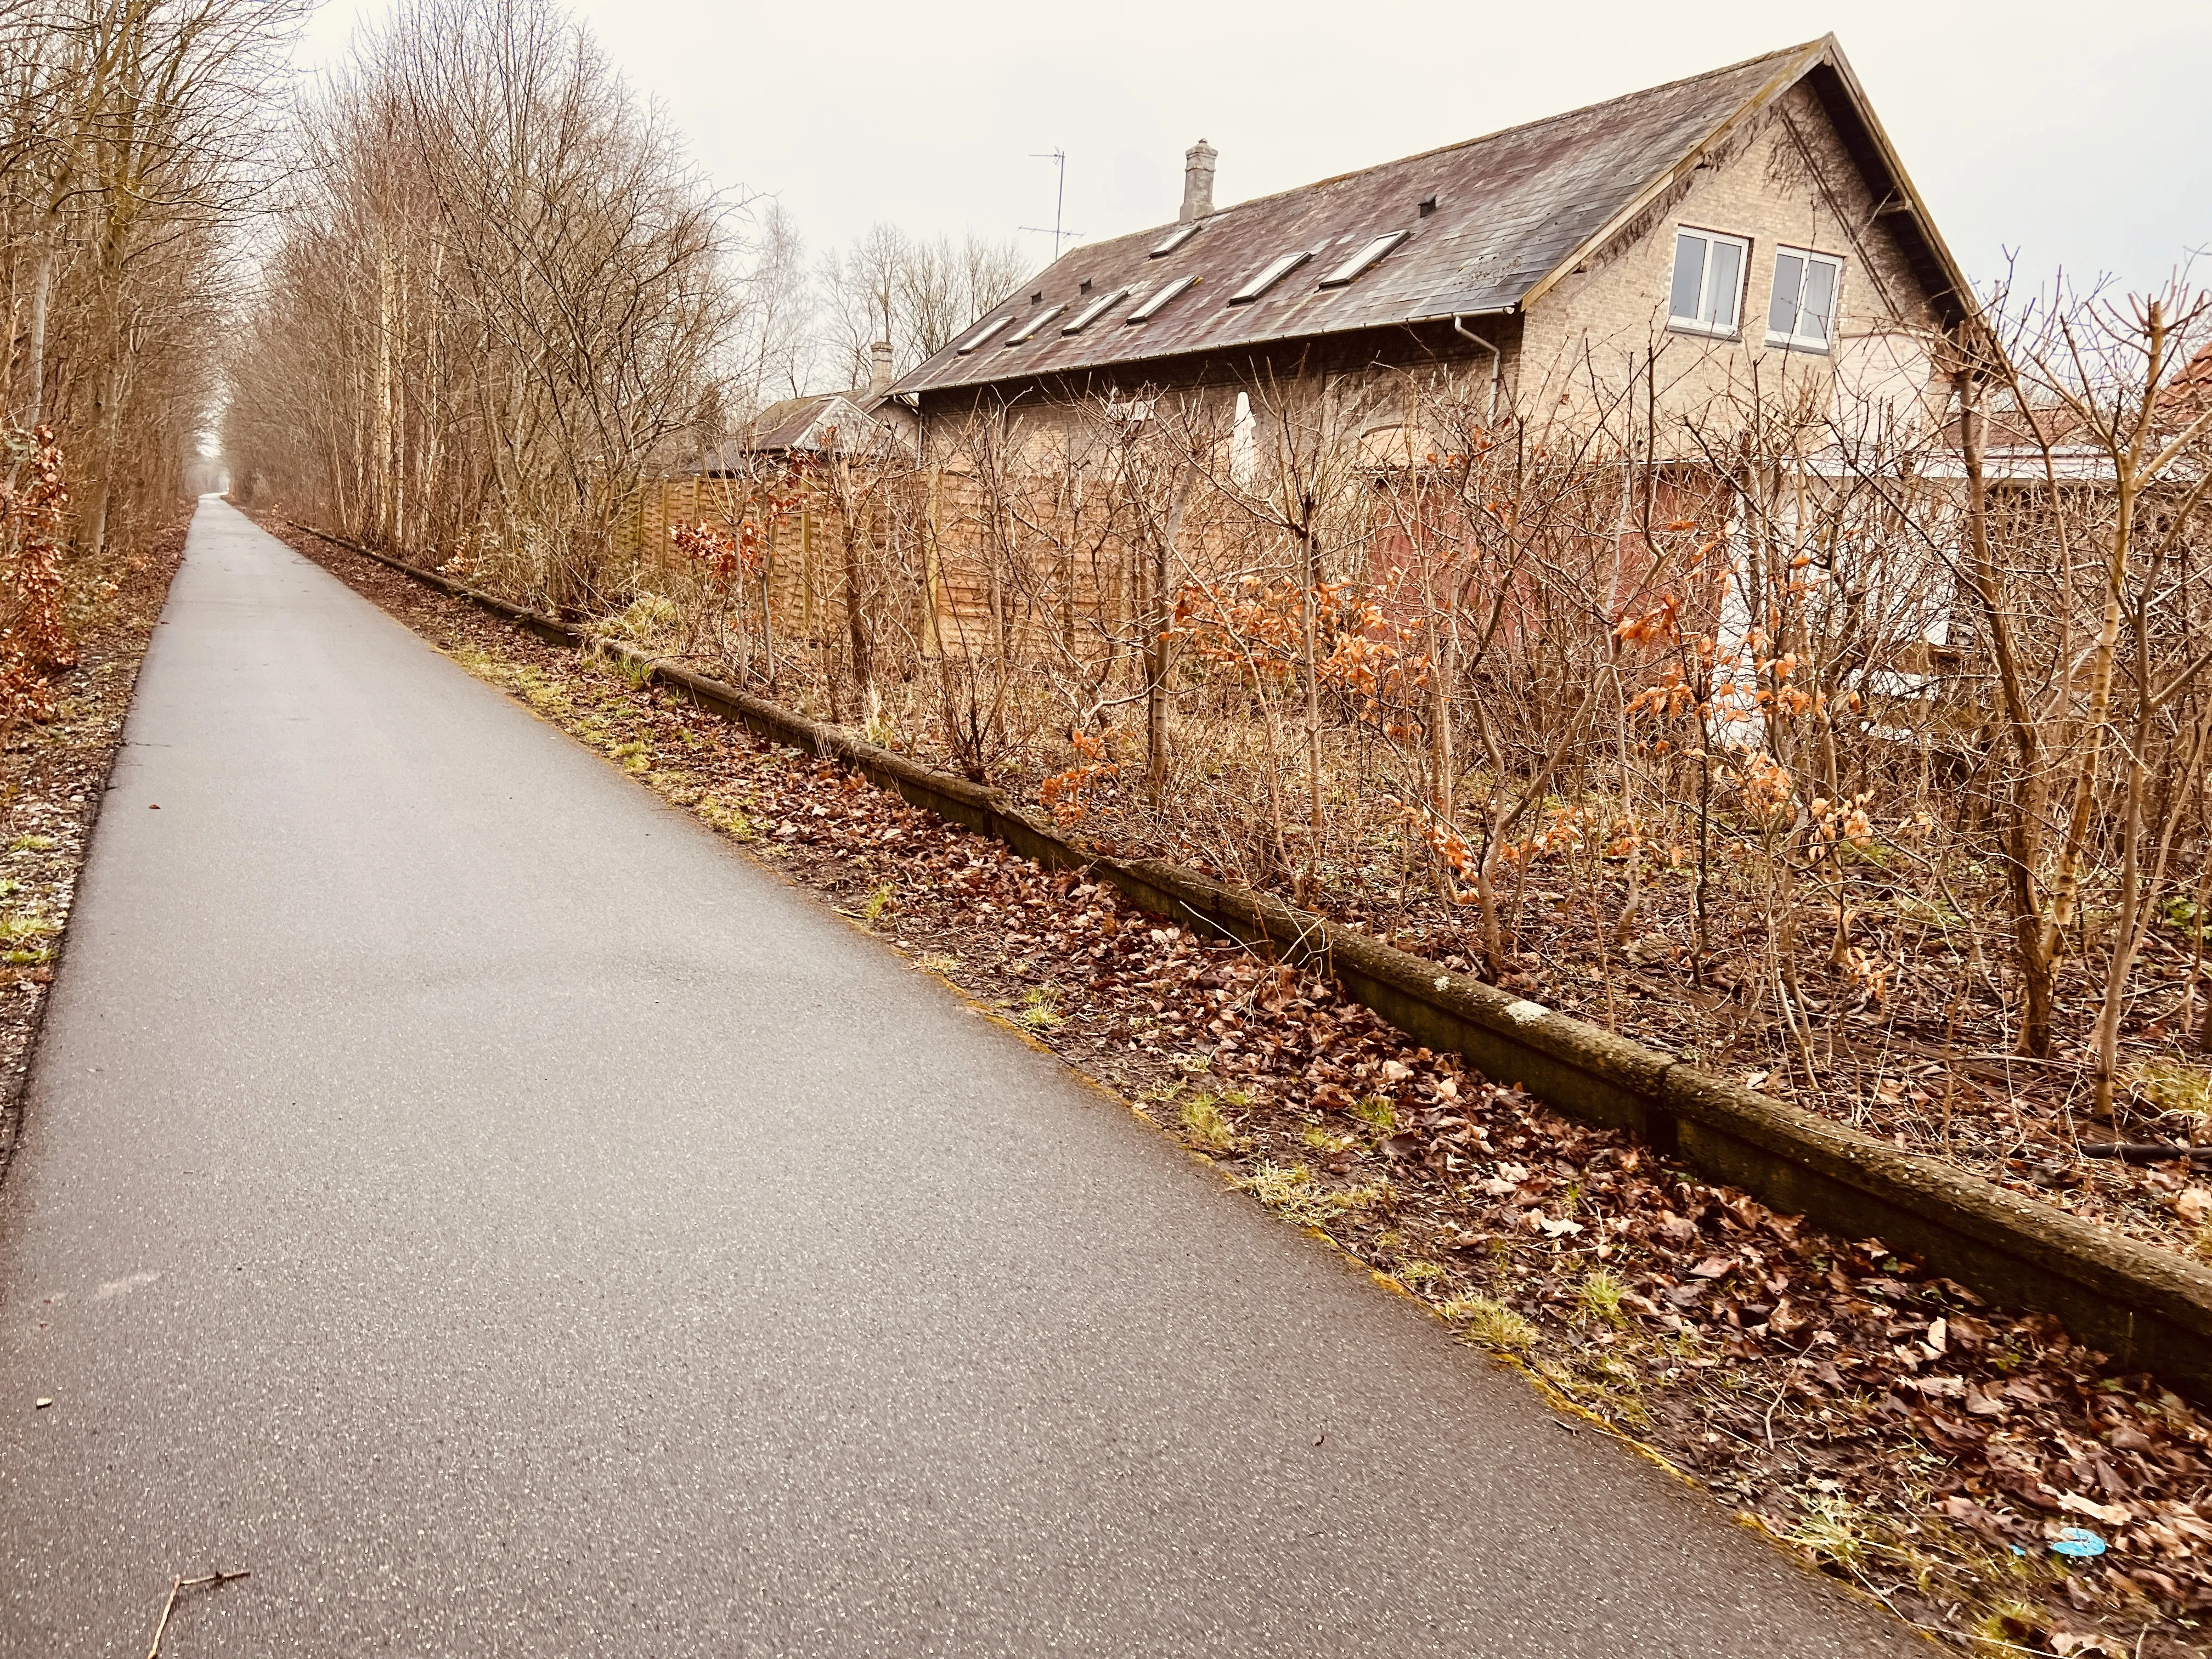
[(2077, 135)]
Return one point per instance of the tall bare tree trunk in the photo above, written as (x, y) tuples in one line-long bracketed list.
[(2035, 945), (386, 526), (1158, 648), (1309, 612), (34, 344), (856, 627)]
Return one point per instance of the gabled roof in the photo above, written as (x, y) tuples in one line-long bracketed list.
[(805, 423), (2191, 390), (1513, 213), (808, 424)]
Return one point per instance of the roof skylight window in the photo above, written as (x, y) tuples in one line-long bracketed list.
[(1177, 237), (981, 335), (1035, 325), (1098, 308), (1358, 265), (1270, 274), (1151, 307)]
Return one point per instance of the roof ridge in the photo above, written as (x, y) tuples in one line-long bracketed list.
[(1513, 211), (1777, 56)]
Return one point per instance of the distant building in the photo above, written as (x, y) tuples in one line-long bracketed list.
[(866, 420), (708, 483)]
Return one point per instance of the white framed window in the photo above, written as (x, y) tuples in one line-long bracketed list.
[(1176, 238), (1151, 309), (1098, 308), (1268, 276), (982, 334), (1802, 316), (1357, 266), (1030, 330), (1707, 293)]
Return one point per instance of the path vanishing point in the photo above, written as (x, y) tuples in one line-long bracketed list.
[(460, 1189)]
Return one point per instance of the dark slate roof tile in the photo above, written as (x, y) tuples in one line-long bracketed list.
[(1510, 208)]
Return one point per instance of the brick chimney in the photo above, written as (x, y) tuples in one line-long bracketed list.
[(879, 368), (1198, 181)]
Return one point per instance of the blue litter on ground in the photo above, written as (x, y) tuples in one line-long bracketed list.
[(2079, 1542)]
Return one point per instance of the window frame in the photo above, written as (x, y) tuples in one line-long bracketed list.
[(1269, 276), (1160, 298), (1370, 254), (1176, 238), (1037, 323), (1091, 312), (1818, 346), (982, 336), (1694, 324)]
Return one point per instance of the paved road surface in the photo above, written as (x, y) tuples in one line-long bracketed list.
[(461, 1190)]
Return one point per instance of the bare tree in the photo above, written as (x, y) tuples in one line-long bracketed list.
[(496, 222), (136, 143), (916, 294), (776, 330)]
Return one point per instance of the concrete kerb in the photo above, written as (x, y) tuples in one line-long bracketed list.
[(2146, 1307)]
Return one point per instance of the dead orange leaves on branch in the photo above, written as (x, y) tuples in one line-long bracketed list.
[(1259, 629), (724, 555), (34, 636), (1063, 793)]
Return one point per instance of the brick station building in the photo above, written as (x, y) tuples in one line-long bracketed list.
[(1751, 223)]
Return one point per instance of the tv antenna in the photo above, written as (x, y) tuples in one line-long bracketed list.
[(1059, 159)]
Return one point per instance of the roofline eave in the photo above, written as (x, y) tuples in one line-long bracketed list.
[(1074, 371), (1800, 64), (1961, 292)]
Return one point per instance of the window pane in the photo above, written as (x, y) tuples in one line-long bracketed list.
[(1098, 308), (983, 334), (1819, 301), (1789, 283), (1689, 276), (1037, 321), (1269, 276), (1725, 285), (1151, 309), (1353, 269)]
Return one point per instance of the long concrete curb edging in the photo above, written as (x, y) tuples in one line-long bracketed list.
[(2146, 1308)]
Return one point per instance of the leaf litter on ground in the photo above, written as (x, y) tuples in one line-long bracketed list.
[(1877, 1420)]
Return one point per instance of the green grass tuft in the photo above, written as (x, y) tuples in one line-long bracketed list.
[(1490, 1324), (1204, 1127), (1292, 1190), (1598, 1297), (1377, 1114), (727, 819), (2175, 1085)]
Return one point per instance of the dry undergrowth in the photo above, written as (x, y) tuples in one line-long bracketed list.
[(1878, 1422), (52, 776), (1919, 1054)]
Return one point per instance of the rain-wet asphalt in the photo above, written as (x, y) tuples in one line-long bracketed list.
[(459, 1189)]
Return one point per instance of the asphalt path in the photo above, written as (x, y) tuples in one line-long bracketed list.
[(462, 1190)]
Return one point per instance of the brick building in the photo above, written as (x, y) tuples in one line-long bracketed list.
[(1749, 226)]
